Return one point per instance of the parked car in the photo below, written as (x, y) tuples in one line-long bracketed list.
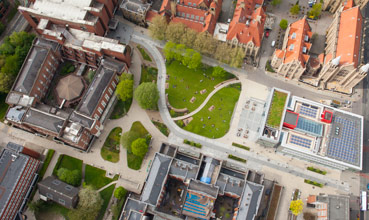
[(267, 33), (273, 43)]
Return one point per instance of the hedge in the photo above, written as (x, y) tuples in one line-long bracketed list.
[(194, 144), (45, 165), (317, 170), (236, 158), (240, 146), (313, 183)]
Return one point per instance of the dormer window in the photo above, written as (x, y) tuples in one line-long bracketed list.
[(304, 49), (293, 35), (306, 38), (291, 47), (189, 3)]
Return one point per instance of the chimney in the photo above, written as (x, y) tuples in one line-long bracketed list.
[(242, 4)]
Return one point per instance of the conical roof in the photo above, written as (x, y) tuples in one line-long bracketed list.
[(70, 87)]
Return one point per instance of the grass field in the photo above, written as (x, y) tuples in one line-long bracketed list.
[(111, 148), (220, 117), (145, 56), (120, 109), (276, 109), (68, 162), (106, 195), (148, 74), (45, 165), (134, 162), (184, 83), (96, 177)]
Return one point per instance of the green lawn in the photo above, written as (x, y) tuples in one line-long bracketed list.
[(120, 109), (68, 162), (119, 208), (96, 177), (276, 109), (134, 162), (162, 128), (106, 195), (145, 56), (184, 83), (148, 74), (3, 106), (110, 150), (51, 210), (224, 102), (45, 165)]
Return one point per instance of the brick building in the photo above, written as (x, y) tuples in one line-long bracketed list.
[(87, 15), (18, 175), (77, 126), (135, 11)]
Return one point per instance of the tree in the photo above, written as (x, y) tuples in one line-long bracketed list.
[(195, 61), (124, 89), (237, 56), (283, 24), (187, 57), (189, 37), (36, 206), (179, 52), (276, 2), (72, 177), (295, 10), (158, 27), (205, 43), (222, 49), (127, 139), (12, 65), (296, 207), (218, 72), (175, 32), (139, 147), (169, 51), (120, 193), (147, 95), (6, 82), (89, 205), (315, 11)]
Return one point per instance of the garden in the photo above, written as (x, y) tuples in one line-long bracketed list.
[(111, 148), (276, 109), (185, 83), (214, 119), (162, 128), (148, 74), (136, 141), (144, 55)]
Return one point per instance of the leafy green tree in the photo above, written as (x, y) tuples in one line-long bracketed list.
[(170, 51), (237, 56), (276, 2), (222, 49), (189, 37), (6, 82), (180, 51), (2, 28), (139, 147), (36, 206), (158, 27), (120, 193), (296, 207), (195, 61), (72, 177), (11, 65), (89, 205), (124, 89), (187, 57), (205, 43), (295, 10), (218, 72), (127, 139), (147, 95), (315, 11), (283, 24), (175, 32)]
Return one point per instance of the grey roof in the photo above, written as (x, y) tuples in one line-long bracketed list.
[(134, 215), (16, 175), (44, 120), (59, 190), (250, 201), (30, 69), (290, 118), (203, 188), (338, 206), (46, 43), (95, 90), (137, 6), (15, 114), (82, 120), (155, 180), (113, 64), (230, 184), (132, 205), (183, 169)]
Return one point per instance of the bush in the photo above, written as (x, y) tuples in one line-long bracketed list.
[(313, 183), (67, 68), (317, 170), (90, 75), (269, 67), (72, 177), (180, 123), (192, 143), (241, 146), (120, 193), (283, 24), (230, 156)]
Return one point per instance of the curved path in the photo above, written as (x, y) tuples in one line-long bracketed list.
[(206, 100), (212, 144)]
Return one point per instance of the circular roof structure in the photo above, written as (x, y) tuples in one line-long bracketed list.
[(70, 87)]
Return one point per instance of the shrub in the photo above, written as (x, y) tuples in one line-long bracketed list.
[(317, 170), (283, 24), (192, 143), (241, 146), (230, 156), (268, 66), (120, 193), (313, 183)]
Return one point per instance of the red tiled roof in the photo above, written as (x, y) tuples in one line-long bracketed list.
[(311, 199), (296, 42), (279, 53), (196, 2), (349, 4), (321, 58), (247, 23), (349, 34)]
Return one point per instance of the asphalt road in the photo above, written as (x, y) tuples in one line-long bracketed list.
[(18, 23)]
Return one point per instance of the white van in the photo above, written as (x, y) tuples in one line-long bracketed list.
[(273, 43)]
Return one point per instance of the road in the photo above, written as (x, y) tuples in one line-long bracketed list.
[(212, 144), (18, 23)]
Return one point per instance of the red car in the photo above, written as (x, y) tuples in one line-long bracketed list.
[(266, 34)]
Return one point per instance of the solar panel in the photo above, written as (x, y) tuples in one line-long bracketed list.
[(308, 111), (309, 126), (300, 141)]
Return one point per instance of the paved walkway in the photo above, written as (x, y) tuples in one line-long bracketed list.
[(206, 100), (106, 186)]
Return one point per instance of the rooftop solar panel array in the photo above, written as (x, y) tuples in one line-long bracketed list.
[(308, 111), (310, 126), (300, 141), (344, 145)]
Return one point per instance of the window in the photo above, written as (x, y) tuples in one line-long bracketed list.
[(291, 47), (68, 187), (42, 82), (103, 103), (183, 14), (107, 97), (48, 195), (188, 15), (96, 116), (114, 84), (189, 3), (194, 4), (100, 110), (38, 88), (197, 17), (110, 91), (61, 201), (293, 35), (192, 17), (117, 77), (56, 182)]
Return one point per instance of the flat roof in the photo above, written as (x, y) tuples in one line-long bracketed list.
[(16, 174), (291, 118), (338, 206)]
